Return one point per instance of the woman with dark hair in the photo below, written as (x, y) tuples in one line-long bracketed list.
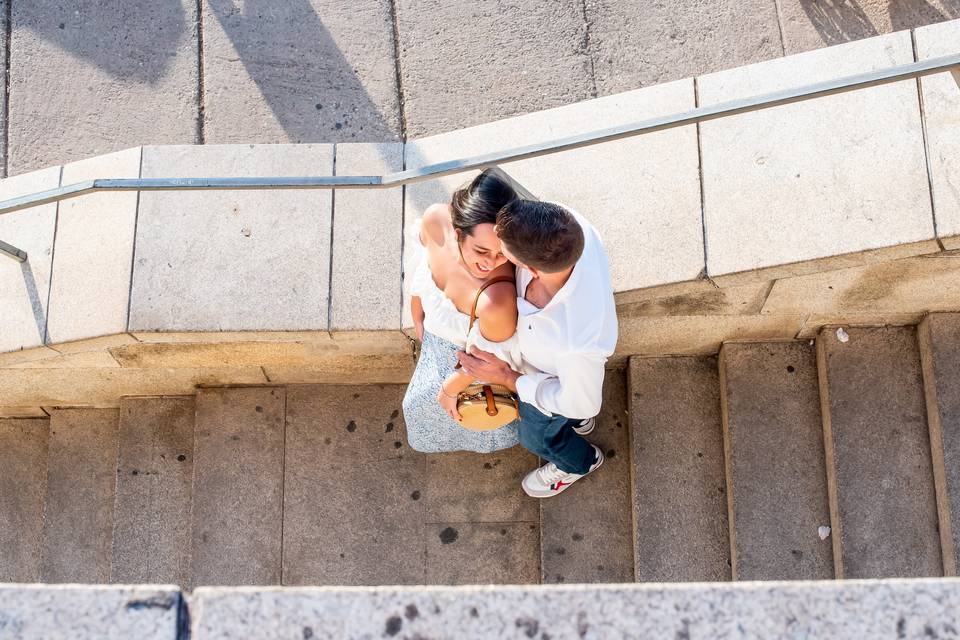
[(461, 252)]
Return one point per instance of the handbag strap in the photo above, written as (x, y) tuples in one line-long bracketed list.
[(476, 300)]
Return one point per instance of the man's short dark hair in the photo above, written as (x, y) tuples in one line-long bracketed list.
[(541, 235)]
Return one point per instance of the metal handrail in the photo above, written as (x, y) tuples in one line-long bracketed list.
[(526, 152)]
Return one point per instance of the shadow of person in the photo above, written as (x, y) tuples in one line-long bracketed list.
[(131, 40), (838, 20), (313, 91), (910, 14)]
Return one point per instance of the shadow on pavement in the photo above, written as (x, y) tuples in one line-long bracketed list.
[(131, 39), (844, 20), (312, 89)]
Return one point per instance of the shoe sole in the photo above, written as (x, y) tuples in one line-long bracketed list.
[(586, 432), (565, 487)]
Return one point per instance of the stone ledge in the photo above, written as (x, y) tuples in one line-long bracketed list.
[(88, 612), (853, 609)]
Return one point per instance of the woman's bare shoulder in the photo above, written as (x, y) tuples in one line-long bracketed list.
[(497, 311), (436, 222)]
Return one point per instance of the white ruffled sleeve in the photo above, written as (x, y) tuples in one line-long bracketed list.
[(508, 350)]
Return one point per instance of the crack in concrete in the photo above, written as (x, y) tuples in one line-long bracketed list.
[(201, 91), (588, 49), (401, 100)]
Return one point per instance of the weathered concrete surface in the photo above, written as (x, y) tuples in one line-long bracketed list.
[(939, 338), (306, 71), (679, 501), (104, 387), (661, 199), (73, 612), (237, 486), (275, 247), (699, 335), (847, 610), (587, 531), (151, 519), (78, 510), (637, 44), (352, 512), (96, 77), (776, 478), (941, 100), (24, 287), (4, 58), (694, 298), (366, 280), (90, 290), (483, 553), (811, 24), (839, 175), (22, 412), (877, 445), (475, 487), (911, 285), (466, 55), (23, 483)]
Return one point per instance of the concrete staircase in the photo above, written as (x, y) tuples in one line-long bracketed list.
[(729, 465)]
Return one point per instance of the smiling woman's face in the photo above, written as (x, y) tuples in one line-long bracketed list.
[(481, 251)]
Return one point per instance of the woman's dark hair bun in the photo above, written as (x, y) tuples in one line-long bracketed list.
[(479, 201)]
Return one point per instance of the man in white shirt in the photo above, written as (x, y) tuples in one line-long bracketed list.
[(567, 327)]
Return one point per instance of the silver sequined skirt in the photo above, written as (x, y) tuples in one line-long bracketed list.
[(429, 428)]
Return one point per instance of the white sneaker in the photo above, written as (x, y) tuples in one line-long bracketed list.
[(586, 427), (549, 480)]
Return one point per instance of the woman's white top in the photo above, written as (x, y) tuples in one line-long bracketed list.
[(442, 318)]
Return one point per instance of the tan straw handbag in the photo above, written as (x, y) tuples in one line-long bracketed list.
[(484, 407)]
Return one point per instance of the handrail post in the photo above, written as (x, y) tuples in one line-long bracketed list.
[(12, 252)]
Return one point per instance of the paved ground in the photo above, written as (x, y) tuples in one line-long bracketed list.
[(92, 76)]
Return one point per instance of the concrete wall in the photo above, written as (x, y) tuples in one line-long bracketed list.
[(763, 226), (851, 609)]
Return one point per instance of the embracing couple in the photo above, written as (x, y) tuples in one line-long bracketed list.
[(545, 326)]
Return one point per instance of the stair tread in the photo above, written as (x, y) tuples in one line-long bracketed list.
[(23, 481), (941, 353), (81, 480), (884, 483), (350, 516), (151, 530), (237, 486), (679, 501), (776, 471), (587, 531)]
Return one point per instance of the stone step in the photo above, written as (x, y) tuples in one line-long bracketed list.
[(81, 481), (939, 336), (679, 501), (776, 477), (151, 522), (237, 486), (23, 481), (352, 508), (587, 532), (877, 447)]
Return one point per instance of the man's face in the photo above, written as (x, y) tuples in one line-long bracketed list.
[(509, 256)]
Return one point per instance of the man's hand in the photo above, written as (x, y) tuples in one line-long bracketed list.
[(488, 367)]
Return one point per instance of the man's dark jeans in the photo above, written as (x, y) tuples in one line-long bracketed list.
[(554, 440)]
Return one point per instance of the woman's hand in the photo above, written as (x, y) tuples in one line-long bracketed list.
[(449, 404), (416, 310)]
